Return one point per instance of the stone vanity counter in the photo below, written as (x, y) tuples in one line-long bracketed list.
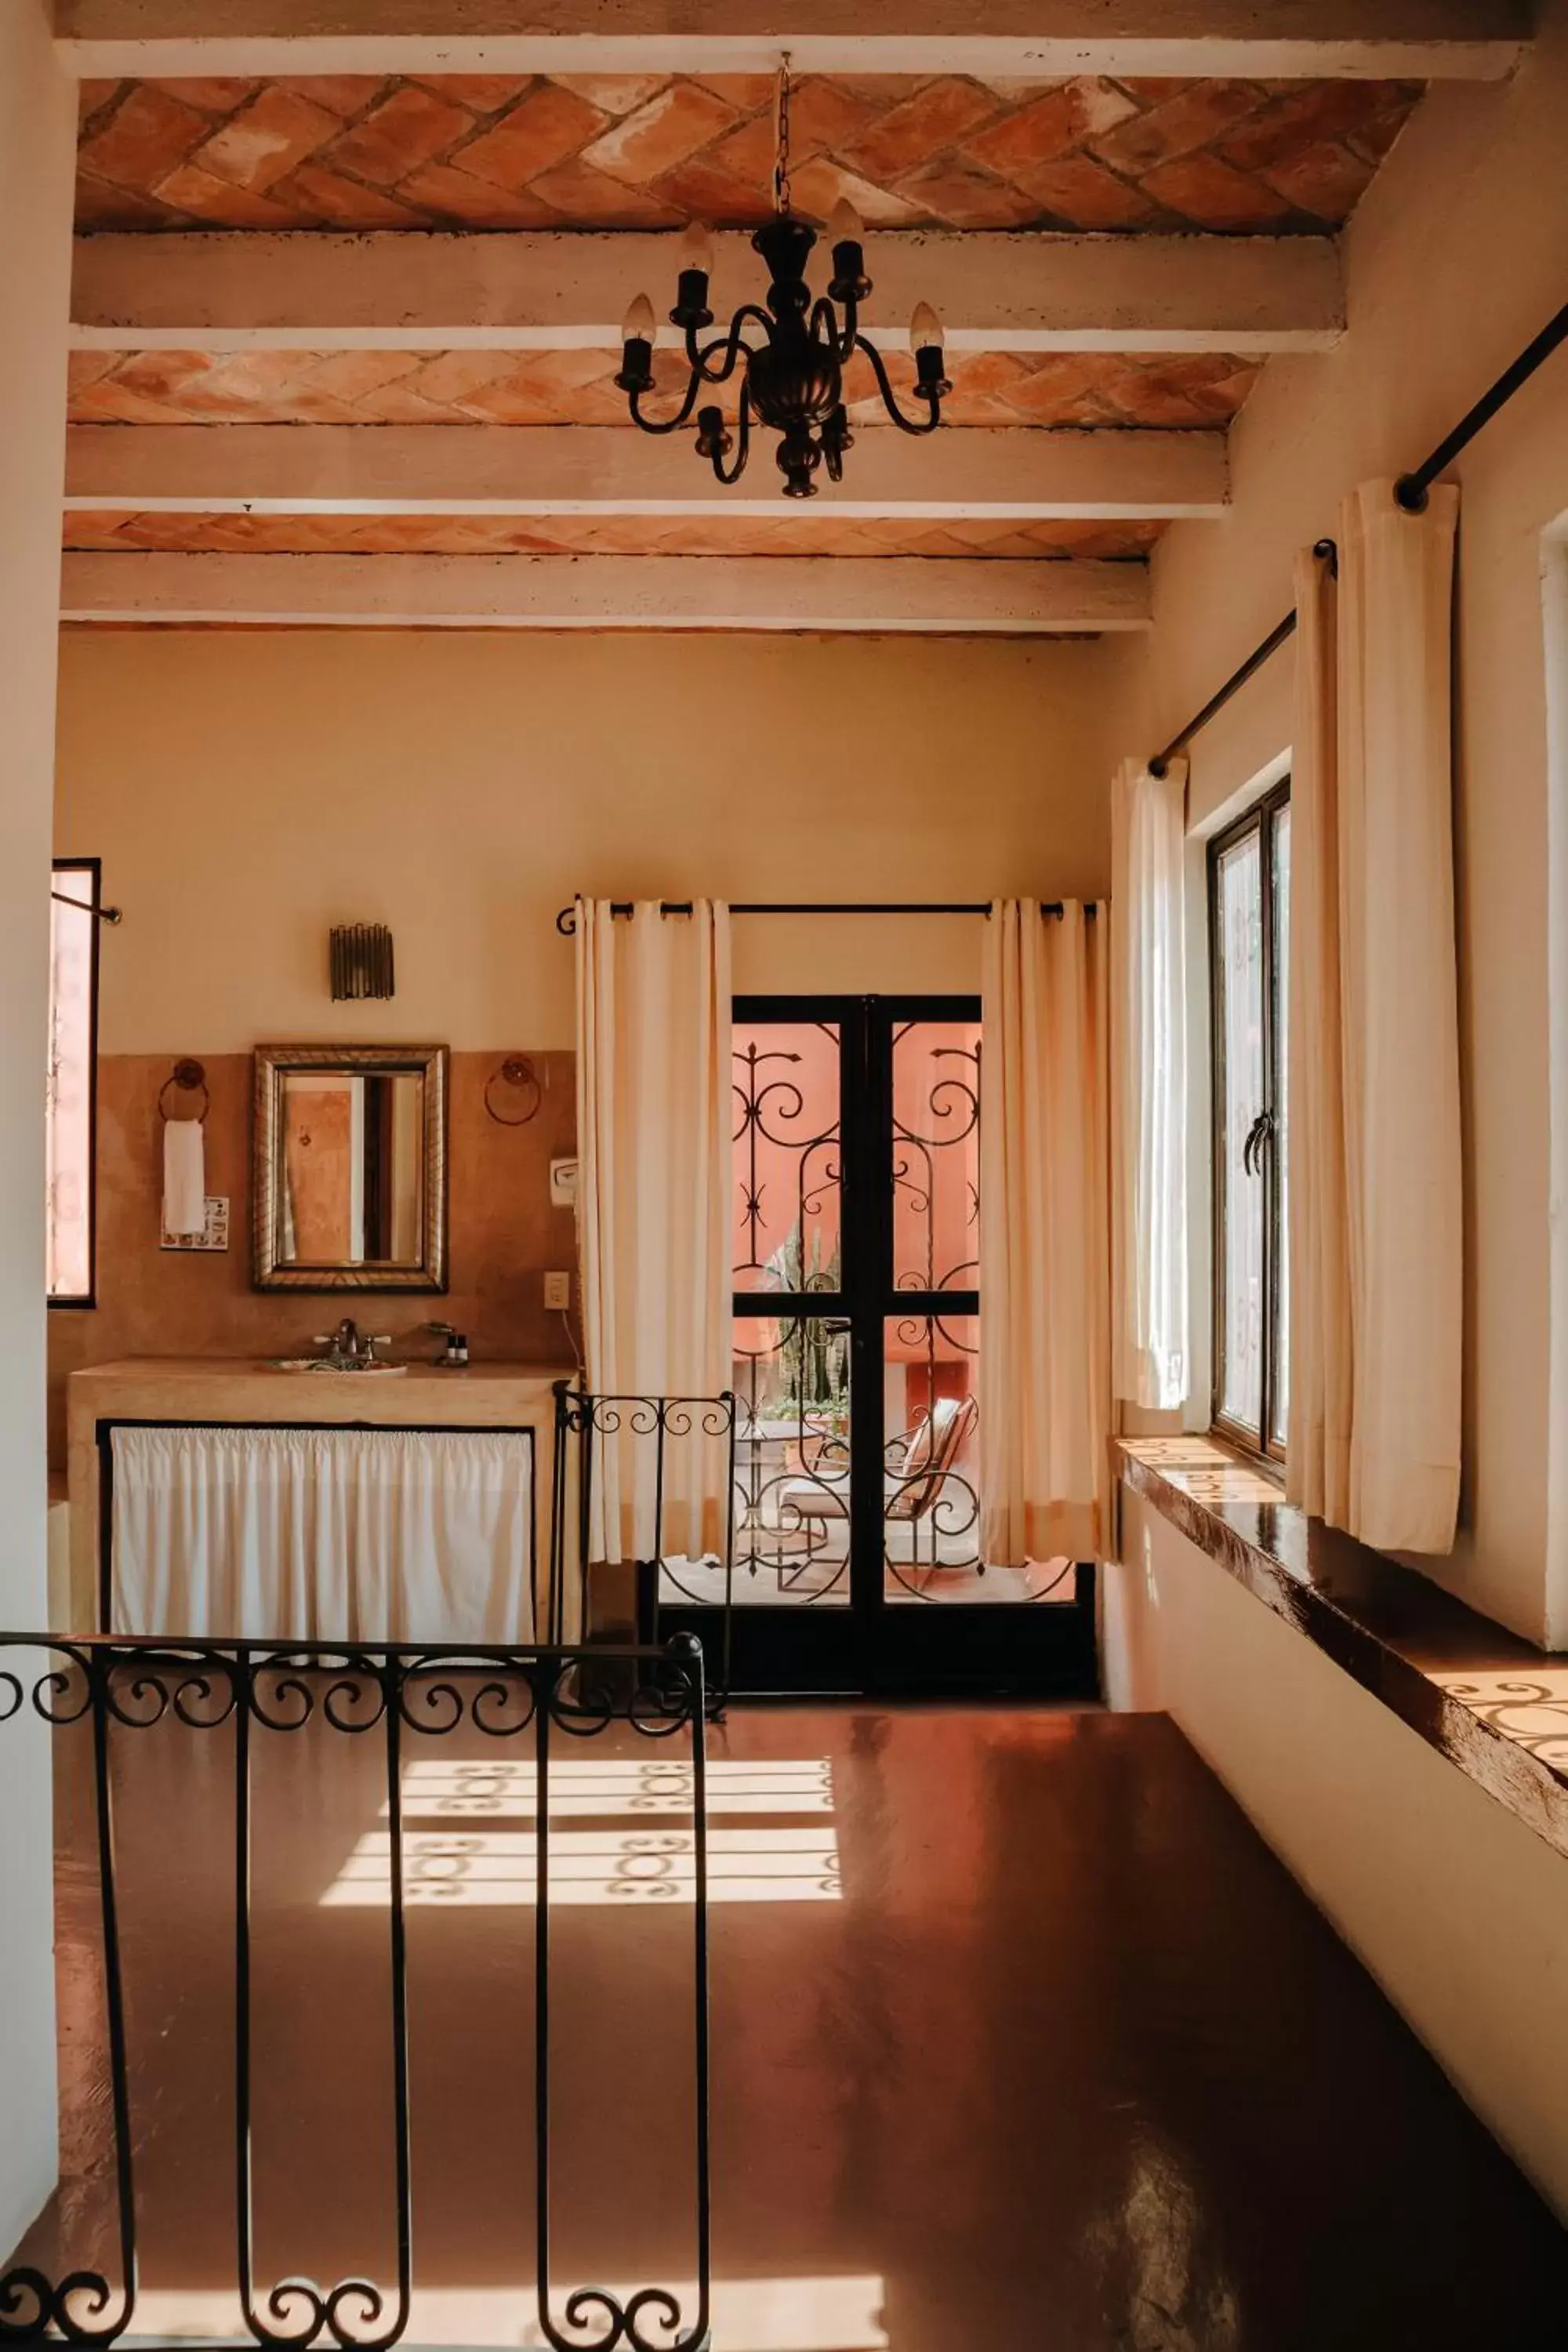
[(239, 1392)]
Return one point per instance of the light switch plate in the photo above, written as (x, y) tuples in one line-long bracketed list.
[(564, 1183), (557, 1292)]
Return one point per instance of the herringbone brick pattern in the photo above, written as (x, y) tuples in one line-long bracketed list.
[(788, 534), (495, 152), (1184, 391)]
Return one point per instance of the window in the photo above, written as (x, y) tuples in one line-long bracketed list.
[(72, 1080), (1249, 871)]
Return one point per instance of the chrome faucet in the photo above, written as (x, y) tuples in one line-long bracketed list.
[(350, 1349)]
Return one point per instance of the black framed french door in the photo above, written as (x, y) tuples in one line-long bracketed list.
[(859, 1563)]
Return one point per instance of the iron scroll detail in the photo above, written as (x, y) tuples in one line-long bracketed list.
[(520, 1698)]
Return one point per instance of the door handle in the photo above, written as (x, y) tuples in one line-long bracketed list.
[(1259, 1135)]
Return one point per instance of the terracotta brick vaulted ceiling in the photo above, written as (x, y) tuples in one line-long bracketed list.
[(585, 151), (344, 340)]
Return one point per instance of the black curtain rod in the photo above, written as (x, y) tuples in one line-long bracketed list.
[(103, 914), (566, 920), (1411, 491)]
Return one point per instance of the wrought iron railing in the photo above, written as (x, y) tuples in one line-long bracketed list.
[(403, 1695), (659, 1443)]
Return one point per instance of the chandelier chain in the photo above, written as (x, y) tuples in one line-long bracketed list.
[(781, 161)]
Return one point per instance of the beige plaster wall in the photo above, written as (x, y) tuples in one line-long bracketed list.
[(1458, 1910), (1454, 262), (38, 122), (246, 792), (155, 1302)]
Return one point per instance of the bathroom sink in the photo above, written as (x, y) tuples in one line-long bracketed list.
[(323, 1364)]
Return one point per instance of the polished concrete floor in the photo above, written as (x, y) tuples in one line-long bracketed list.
[(1021, 2039)]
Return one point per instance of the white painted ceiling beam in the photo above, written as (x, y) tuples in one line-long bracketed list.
[(608, 591), (1426, 39), (1013, 472), (552, 291)]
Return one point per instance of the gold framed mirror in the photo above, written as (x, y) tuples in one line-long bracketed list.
[(349, 1184)]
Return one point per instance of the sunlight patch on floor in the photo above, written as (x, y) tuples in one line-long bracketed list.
[(608, 1785), (749, 2314), (645, 1866), (624, 1860)]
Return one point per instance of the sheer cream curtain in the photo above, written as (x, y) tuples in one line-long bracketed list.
[(1374, 1163), (1151, 1359), (653, 1145), (1045, 1246), (384, 1535)]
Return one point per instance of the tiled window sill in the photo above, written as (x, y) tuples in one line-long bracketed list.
[(1493, 1705)]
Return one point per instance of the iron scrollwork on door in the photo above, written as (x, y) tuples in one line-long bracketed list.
[(792, 1473), (949, 1116), (770, 1108), (931, 1507), (792, 1368)]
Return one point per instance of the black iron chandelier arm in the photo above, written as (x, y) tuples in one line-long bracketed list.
[(826, 329), (670, 424), (700, 357), (742, 443), (889, 402)]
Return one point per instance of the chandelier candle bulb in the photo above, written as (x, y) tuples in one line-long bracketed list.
[(847, 239), (638, 325), (713, 439), (925, 342), (696, 266), (697, 246), (637, 331)]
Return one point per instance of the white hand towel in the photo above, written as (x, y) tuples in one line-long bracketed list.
[(184, 1177)]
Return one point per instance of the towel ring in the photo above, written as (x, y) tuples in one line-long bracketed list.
[(191, 1078), (514, 1072)]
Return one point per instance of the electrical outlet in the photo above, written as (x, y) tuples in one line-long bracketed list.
[(557, 1291)]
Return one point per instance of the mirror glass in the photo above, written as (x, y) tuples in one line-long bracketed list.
[(350, 1168), (353, 1168)]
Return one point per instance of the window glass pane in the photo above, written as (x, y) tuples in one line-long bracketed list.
[(785, 1157), (1239, 917), (69, 1121), (936, 1155), (1280, 1391), (791, 1460), (931, 1547)]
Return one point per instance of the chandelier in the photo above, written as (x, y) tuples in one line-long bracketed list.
[(793, 380)]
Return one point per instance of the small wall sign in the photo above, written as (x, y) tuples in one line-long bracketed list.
[(214, 1234)]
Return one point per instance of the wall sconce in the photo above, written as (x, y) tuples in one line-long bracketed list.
[(361, 961)]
